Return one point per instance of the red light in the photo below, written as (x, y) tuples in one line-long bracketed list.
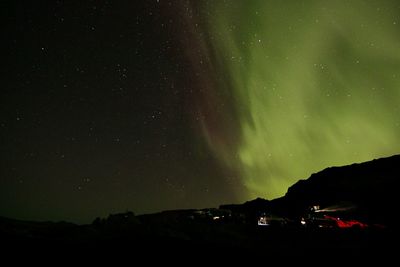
[(346, 224)]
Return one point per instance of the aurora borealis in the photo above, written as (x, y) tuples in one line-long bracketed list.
[(149, 105), (313, 84)]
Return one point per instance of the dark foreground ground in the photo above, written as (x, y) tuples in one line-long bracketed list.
[(196, 242), (364, 193)]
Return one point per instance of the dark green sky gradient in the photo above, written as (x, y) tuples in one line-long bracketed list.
[(147, 105)]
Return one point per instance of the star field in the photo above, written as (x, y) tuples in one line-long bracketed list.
[(150, 105), (94, 113)]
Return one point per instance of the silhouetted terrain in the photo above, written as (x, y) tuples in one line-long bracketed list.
[(363, 192), (369, 187)]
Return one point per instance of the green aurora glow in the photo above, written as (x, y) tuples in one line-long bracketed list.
[(313, 84)]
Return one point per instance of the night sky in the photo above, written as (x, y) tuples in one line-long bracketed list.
[(147, 105)]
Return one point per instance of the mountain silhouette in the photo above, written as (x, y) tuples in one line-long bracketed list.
[(365, 191), (369, 187)]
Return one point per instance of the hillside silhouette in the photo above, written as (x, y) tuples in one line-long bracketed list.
[(362, 194), (368, 189)]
